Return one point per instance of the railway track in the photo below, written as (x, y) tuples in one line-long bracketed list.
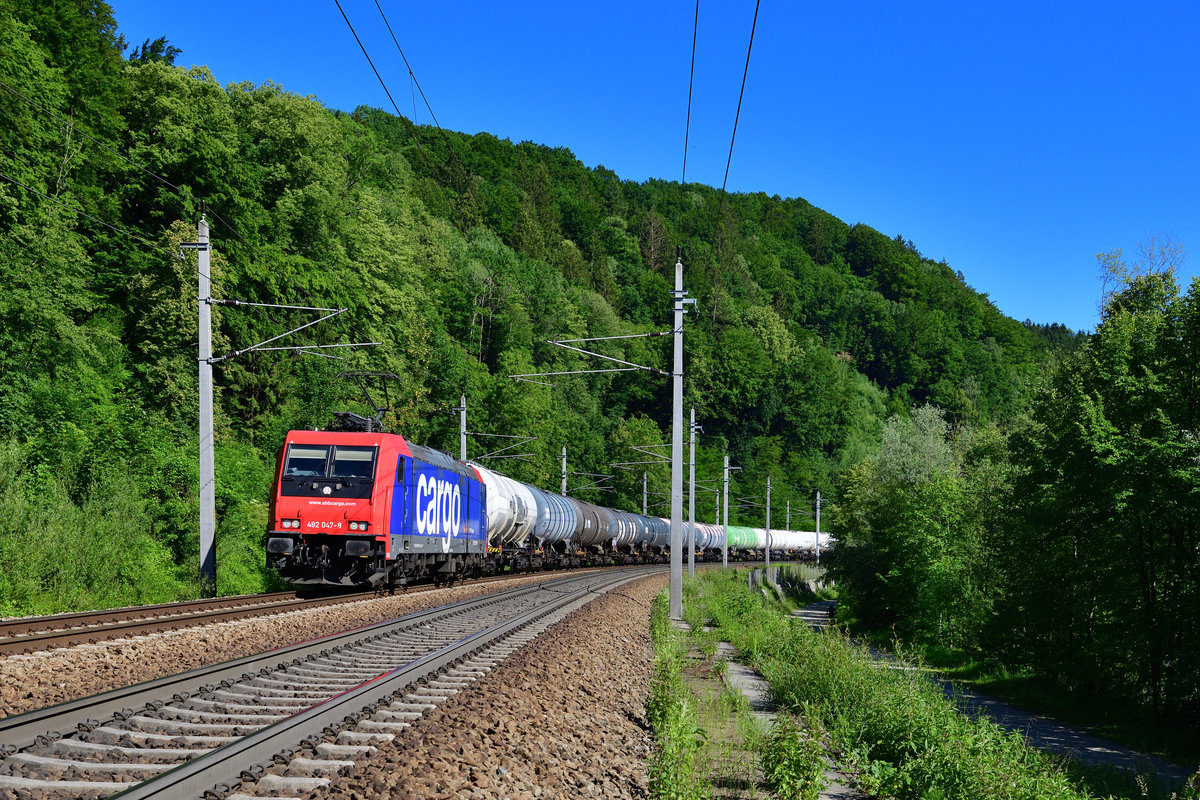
[(30, 634), (277, 724), (27, 634)]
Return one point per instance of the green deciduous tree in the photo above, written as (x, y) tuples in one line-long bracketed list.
[(462, 255), (912, 554), (1112, 494)]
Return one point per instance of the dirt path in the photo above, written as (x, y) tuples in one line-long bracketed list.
[(1041, 731)]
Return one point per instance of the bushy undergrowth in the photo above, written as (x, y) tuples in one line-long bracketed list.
[(907, 738), (791, 759), (671, 712), (61, 555), (101, 547)]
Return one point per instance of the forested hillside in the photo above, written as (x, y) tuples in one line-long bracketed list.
[(461, 254)]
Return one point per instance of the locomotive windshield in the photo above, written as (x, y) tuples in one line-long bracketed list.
[(353, 462), (321, 469), (307, 460)]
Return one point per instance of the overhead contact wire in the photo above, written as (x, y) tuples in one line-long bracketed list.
[(738, 115), (466, 173), (687, 126)]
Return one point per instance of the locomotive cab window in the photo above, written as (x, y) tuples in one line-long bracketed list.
[(353, 462), (306, 460)]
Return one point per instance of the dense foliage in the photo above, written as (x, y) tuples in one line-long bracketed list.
[(1109, 494), (1014, 489), (1069, 548)]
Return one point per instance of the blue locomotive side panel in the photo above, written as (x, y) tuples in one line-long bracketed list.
[(436, 510)]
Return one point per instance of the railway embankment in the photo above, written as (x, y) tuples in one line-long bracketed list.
[(568, 715), (565, 709)]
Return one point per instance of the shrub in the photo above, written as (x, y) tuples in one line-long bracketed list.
[(61, 555), (791, 760)]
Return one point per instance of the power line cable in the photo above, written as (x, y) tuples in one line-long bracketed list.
[(466, 173), (738, 115), (687, 127), (412, 76), (382, 83), (412, 90)]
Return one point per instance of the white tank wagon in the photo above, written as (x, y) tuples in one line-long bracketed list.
[(805, 542), (628, 531), (658, 534), (511, 509), (798, 542), (717, 537), (629, 539), (708, 536)]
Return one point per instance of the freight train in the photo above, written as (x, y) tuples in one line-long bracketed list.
[(366, 508)]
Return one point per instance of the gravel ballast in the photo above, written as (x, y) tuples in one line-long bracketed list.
[(46, 678), (563, 717)]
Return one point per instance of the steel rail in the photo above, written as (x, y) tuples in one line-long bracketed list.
[(222, 768), (128, 622), (51, 622), (29, 634), (22, 730)]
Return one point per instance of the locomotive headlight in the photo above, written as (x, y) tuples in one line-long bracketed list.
[(358, 526), (289, 523)]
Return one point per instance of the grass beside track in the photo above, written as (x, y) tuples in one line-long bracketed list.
[(891, 724), (709, 743), (671, 712)]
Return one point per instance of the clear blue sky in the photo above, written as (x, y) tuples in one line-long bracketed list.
[(1013, 140)]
